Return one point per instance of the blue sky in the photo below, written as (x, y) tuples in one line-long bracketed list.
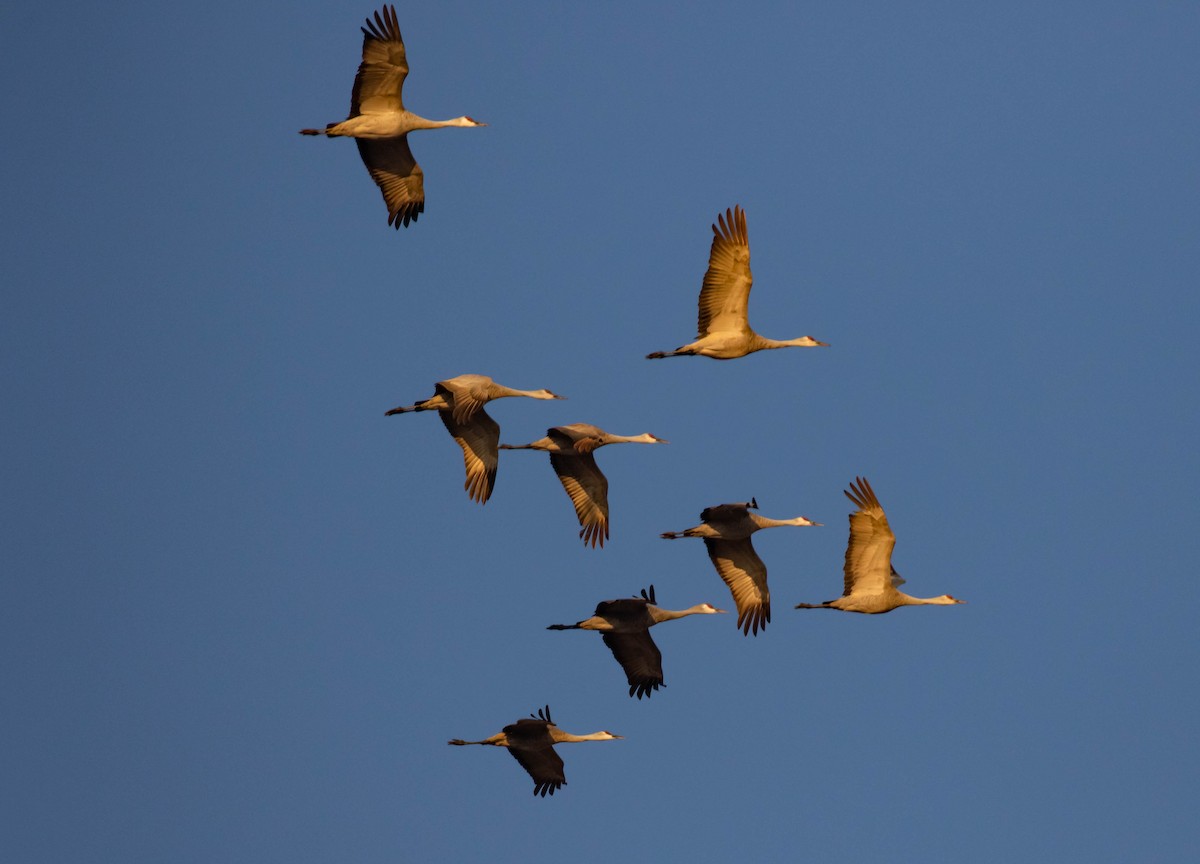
[(243, 610)]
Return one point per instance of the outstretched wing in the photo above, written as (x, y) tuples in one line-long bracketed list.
[(381, 74), (530, 744), (868, 567), (588, 490), (640, 658), (746, 575), (725, 294), (391, 165), (479, 439)]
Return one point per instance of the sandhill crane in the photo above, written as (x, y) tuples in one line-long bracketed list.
[(625, 627), (531, 741), (570, 449), (459, 402), (870, 579), (724, 331), (379, 124), (726, 530)]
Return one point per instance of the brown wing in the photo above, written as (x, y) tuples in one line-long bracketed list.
[(725, 294), (380, 79), (640, 658), (467, 392), (730, 520), (588, 490), (868, 567), (627, 610), (530, 744), (746, 575), (479, 439), (580, 437), (398, 176)]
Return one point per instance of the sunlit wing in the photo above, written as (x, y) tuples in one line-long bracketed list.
[(467, 397), (380, 79), (479, 439), (391, 165), (588, 490), (744, 572), (725, 294), (640, 658), (868, 567), (580, 437)]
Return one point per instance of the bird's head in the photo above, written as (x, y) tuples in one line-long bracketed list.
[(470, 121), (547, 394), (947, 600), (709, 609), (605, 735)]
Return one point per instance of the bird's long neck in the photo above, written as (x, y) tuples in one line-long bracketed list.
[(941, 600), (764, 522), (502, 391), (763, 343), (419, 122), (671, 614), (561, 737), (644, 438)]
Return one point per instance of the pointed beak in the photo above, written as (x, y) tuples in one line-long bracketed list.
[(723, 610)]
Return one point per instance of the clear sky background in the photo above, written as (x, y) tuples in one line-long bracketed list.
[(243, 611)]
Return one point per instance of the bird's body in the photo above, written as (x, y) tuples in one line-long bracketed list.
[(571, 448), (726, 531), (380, 124), (723, 329), (531, 742), (624, 625), (871, 584), (459, 402)]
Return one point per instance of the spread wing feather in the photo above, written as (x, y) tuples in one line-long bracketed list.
[(868, 568), (744, 572), (725, 294), (640, 658), (530, 744), (588, 491), (400, 179), (384, 66), (479, 439)]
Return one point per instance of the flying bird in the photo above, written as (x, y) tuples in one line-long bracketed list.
[(726, 530), (724, 331), (870, 579), (624, 626), (571, 448), (531, 741), (379, 123), (459, 402)]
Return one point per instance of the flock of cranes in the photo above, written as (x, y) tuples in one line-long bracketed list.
[(380, 125)]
